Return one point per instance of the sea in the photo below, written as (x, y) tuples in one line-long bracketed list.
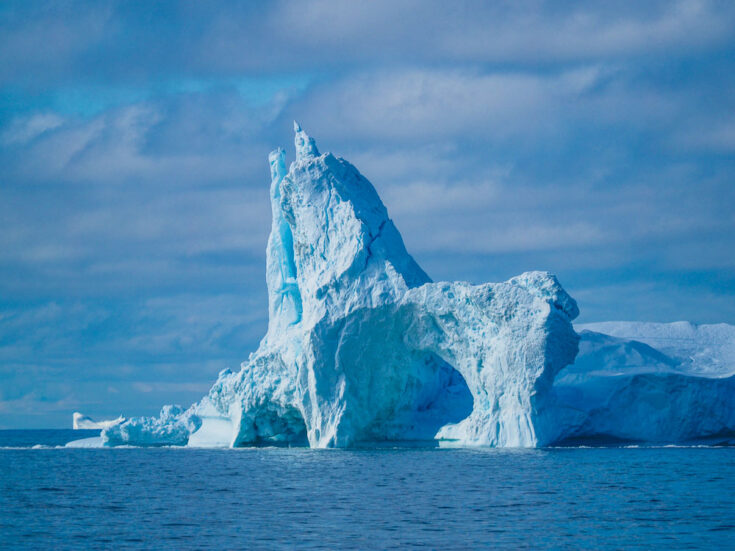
[(392, 497)]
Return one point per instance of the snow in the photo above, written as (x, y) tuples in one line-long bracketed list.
[(363, 347), (80, 421)]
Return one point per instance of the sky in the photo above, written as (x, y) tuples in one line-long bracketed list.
[(595, 140)]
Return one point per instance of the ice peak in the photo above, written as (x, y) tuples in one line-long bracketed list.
[(305, 144), (277, 162)]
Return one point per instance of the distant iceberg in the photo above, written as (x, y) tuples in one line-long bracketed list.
[(649, 382), (363, 347), (80, 421)]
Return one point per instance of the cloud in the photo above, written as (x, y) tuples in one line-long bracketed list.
[(157, 191), (716, 136), (508, 112), (107, 356), (168, 387), (591, 30), (658, 300), (433, 104), (592, 140), (162, 141), (41, 41), (114, 41), (25, 129)]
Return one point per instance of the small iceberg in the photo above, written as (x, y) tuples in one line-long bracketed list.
[(93, 442), (84, 422)]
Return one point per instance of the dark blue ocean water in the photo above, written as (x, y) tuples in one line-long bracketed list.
[(613, 498)]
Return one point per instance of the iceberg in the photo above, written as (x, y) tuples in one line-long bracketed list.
[(363, 347), (648, 382), (172, 427), (80, 421), (93, 442)]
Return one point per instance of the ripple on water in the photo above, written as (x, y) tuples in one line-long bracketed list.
[(367, 499)]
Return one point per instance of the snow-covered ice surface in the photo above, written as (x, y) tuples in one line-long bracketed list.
[(363, 347)]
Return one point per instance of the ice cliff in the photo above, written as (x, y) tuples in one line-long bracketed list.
[(363, 347)]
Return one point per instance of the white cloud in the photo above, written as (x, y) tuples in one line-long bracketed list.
[(429, 105), (716, 136), (447, 108), (591, 139), (25, 129), (158, 386), (590, 30)]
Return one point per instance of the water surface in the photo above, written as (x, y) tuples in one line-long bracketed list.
[(268, 498)]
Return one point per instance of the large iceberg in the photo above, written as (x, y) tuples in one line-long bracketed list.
[(363, 347)]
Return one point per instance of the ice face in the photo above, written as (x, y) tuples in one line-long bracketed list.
[(362, 346)]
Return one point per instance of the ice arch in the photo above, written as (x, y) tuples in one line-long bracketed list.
[(362, 346)]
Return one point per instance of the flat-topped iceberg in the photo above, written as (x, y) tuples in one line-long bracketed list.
[(363, 347), (649, 382)]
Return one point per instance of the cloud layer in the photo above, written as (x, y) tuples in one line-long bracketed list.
[(591, 140)]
